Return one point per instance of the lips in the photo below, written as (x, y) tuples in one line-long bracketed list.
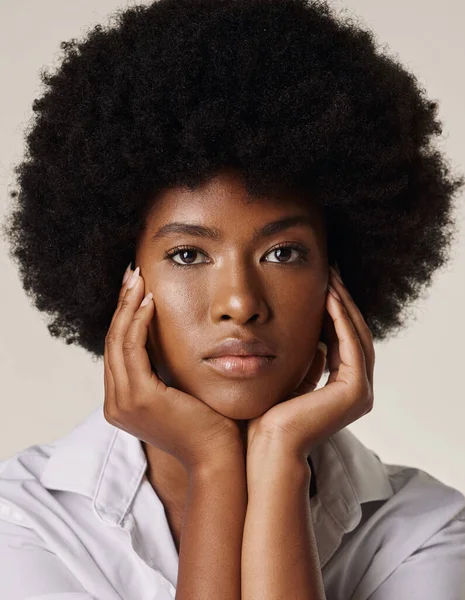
[(241, 347), (241, 367)]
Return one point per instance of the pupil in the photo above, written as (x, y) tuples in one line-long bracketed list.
[(281, 250), (187, 252)]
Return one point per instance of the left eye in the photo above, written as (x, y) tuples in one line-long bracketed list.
[(286, 251)]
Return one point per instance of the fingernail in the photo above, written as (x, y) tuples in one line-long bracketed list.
[(333, 292), (147, 299), (323, 347), (336, 275), (132, 281), (127, 272)]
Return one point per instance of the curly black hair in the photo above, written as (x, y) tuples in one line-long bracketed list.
[(287, 92)]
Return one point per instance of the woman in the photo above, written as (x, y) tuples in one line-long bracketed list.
[(268, 174)]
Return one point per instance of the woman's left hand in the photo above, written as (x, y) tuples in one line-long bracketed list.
[(298, 424)]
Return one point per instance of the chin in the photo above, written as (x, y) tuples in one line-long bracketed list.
[(241, 405), (233, 398)]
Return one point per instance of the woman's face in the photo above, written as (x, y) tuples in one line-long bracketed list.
[(236, 285)]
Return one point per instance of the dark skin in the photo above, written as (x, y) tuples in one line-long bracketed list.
[(236, 287)]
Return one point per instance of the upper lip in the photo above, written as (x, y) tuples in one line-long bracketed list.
[(241, 347)]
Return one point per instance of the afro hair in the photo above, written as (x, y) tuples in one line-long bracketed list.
[(284, 91)]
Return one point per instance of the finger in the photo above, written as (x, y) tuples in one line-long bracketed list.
[(358, 321), (109, 382), (124, 288), (331, 340), (136, 357), (352, 359), (117, 332)]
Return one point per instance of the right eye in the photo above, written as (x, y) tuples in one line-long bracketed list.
[(182, 251)]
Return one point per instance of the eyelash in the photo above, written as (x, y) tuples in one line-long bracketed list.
[(297, 247)]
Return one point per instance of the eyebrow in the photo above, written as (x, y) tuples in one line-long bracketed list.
[(215, 234)]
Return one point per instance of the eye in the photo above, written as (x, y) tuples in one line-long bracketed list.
[(182, 251), (283, 251), (286, 249)]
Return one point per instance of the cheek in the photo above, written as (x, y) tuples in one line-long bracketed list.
[(306, 316), (301, 325), (301, 306), (174, 324), (177, 306)]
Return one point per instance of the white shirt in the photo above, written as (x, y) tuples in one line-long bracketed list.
[(79, 520)]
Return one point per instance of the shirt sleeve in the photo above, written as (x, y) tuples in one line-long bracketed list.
[(29, 571), (436, 570)]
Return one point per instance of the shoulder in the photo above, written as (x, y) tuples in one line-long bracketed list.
[(397, 521), (412, 544), (421, 507), (27, 463), (16, 472)]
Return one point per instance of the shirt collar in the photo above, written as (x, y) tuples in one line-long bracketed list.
[(107, 465), (99, 461)]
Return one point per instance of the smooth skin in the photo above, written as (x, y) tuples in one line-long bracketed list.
[(216, 483)]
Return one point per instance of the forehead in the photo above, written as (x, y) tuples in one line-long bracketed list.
[(224, 204)]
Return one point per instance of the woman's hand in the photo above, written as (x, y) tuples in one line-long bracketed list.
[(309, 417), (138, 402)]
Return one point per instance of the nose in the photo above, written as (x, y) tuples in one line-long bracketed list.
[(238, 295)]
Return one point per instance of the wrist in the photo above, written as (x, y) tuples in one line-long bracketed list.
[(220, 466), (269, 461)]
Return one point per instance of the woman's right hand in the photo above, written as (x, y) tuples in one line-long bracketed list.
[(138, 402)]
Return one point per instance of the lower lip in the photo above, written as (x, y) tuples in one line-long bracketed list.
[(241, 366)]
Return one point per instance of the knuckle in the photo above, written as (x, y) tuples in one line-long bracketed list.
[(369, 402), (138, 318), (109, 413), (111, 338), (128, 346), (124, 303), (122, 292), (365, 389), (368, 408)]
